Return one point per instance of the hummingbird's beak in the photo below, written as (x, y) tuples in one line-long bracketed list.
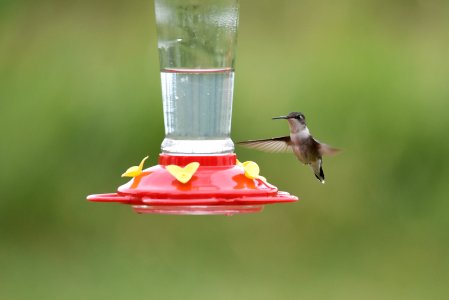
[(281, 117)]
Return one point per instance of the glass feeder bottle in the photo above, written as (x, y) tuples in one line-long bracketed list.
[(196, 42)]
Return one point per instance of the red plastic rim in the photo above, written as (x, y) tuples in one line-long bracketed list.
[(210, 160), (219, 186)]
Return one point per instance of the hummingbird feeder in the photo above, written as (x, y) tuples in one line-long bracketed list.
[(198, 172)]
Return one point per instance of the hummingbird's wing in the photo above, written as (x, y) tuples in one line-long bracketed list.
[(277, 144), (326, 149)]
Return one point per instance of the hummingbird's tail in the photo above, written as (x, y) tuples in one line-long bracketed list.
[(318, 170)]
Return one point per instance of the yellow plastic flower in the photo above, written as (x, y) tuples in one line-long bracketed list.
[(183, 175), (251, 169), (135, 170)]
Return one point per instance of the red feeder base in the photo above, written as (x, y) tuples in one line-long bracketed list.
[(218, 187)]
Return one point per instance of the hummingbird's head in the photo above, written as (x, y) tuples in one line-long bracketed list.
[(298, 117), (296, 120)]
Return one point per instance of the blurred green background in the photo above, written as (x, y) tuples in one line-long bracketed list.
[(80, 102)]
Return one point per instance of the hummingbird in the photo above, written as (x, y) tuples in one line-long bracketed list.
[(308, 150)]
